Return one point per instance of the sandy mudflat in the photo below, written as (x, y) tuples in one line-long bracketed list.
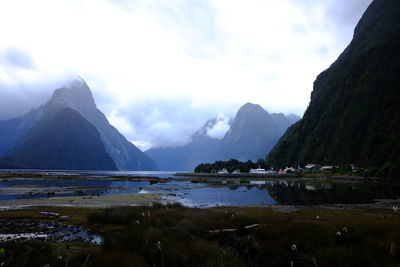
[(85, 201)]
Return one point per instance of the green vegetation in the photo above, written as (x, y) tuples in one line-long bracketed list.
[(231, 165), (177, 236), (344, 170), (353, 116)]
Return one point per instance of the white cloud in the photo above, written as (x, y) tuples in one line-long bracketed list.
[(16, 58), (220, 128), (206, 57)]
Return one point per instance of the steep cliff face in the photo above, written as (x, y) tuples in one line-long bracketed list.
[(66, 141), (76, 96), (354, 113), (8, 138), (253, 133)]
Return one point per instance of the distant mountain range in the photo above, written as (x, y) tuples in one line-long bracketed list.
[(202, 148), (354, 113), (68, 132), (251, 136), (253, 133), (353, 118)]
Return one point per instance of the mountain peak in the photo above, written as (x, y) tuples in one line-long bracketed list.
[(76, 83), (75, 94), (251, 108), (380, 18), (250, 112), (379, 21)]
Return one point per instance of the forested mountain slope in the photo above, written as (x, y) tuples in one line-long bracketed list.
[(354, 113)]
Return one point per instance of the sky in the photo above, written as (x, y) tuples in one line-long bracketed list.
[(159, 69)]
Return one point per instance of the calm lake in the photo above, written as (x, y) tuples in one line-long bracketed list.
[(159, 174), (194, 194)]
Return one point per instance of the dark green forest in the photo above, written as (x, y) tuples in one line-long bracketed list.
[(354, 113), (231, 165)]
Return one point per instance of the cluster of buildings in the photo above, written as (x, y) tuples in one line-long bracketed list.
[(260, 170), (317, 167), (308, 167)]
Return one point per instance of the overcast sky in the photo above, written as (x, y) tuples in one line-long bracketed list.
[(159, 69)]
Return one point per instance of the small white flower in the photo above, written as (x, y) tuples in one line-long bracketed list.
[(338, 233), (294, 247), (158, 245), (344, 229)]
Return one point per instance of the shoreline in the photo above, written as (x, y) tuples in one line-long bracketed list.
[(184, 176), (119, 200), (94, 202), (143, 199)]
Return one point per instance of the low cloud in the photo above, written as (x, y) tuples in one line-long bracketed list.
[(22, 90), (220, 128), (160, 123), (17, 58)]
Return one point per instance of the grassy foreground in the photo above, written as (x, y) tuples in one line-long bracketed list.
[(235, 236)]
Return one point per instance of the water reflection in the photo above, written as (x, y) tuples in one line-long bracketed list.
[(207, 194), (223, 196), (158, 174), (300, 193)]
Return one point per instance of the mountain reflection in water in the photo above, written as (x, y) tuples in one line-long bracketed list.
[(195, 194)]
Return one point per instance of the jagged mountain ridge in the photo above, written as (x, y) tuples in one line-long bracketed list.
[(252, 134), (353, 116), (77, 96), (202, 148)]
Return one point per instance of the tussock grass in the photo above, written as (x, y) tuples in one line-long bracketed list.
[(177, 236), (186, 240)]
